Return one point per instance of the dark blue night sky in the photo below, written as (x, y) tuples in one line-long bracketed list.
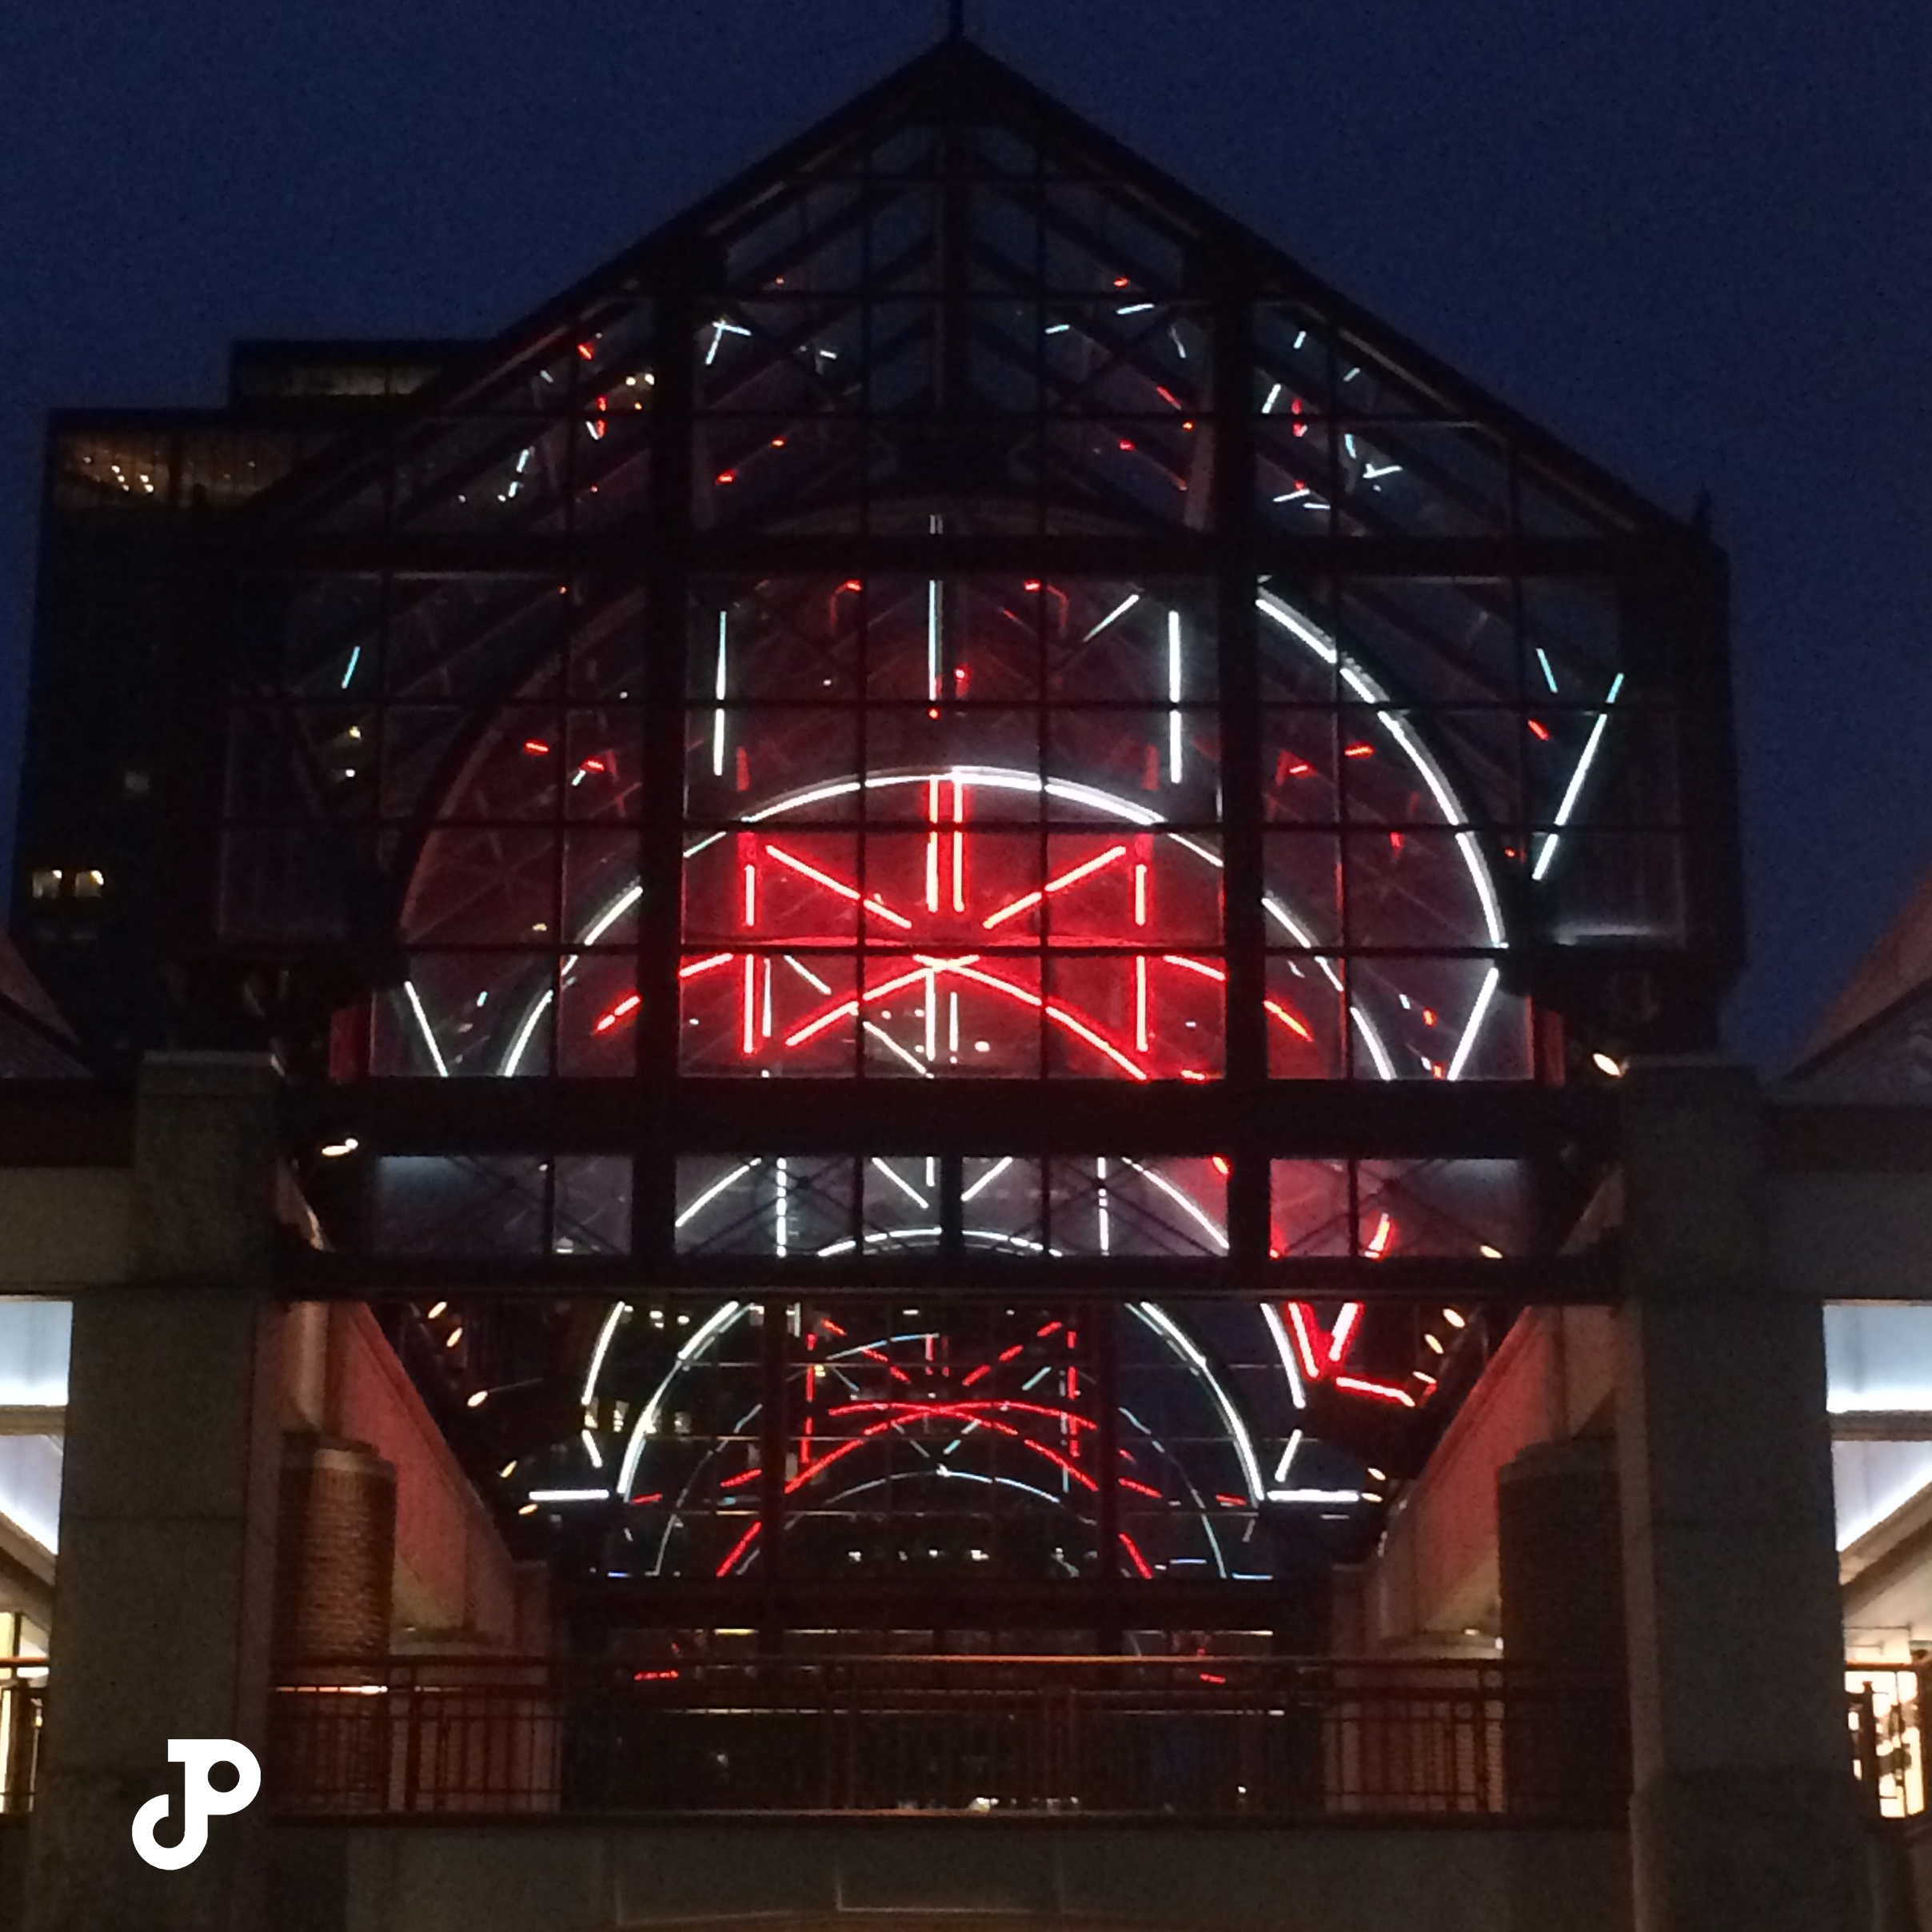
[(1696, 240)]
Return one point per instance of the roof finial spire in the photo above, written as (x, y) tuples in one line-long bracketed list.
[(955, 19)]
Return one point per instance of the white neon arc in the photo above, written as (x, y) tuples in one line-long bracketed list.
[(619, 1309), (701, 1338), (1164, 1324), (1283, 1347), (1183, 1200), (1440, 788), (993, 778), (1157, 1318)]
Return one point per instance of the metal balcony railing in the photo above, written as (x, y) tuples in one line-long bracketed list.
[(1111, 1737), (1202, 1738)]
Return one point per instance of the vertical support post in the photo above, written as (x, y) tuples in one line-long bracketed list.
[(1230, 491), (1744, 1814), (667, 621), (1559, 1552), (774, 1446), (167, 1554)]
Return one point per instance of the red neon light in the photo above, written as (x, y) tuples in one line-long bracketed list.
[(751, 895), (1138, 1561), (750, 1036), (740, 1480), (973, 1420), (1056, 885), (587, 350), (628, 1004), (1231, 1502), (1381, 1390), (537, 748), (1358, 751), (697, 966), (1058, 1015), (1139, 1489), (1142, 1037), (728, 475), (839, 886), (737, 1550), (652, 1676), (1379, 1241), (1541, 730), (972, 1409), (958, 838), (1140, 909)]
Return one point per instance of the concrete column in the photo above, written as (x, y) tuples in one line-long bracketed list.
[(1559, 1556), (167, 1566), (1744, 1816)]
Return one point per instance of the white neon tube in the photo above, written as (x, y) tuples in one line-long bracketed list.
[(1120, 610), (1157, 1318), (717, 717), (904, 1186), (1283, 1347), (1575, 789), (1467, 1044), (700, 1338), (1174, 743), (987, 1179), (1467, 843), (618, 1312), (712, 1193), (422, 1023), (1184, 1201)]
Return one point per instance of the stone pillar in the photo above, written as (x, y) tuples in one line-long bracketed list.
[(1558, 1550), (1744, 1816), (167, 1528)]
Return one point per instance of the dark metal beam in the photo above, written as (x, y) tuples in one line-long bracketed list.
[(1414, 1119), (306, 1273)]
